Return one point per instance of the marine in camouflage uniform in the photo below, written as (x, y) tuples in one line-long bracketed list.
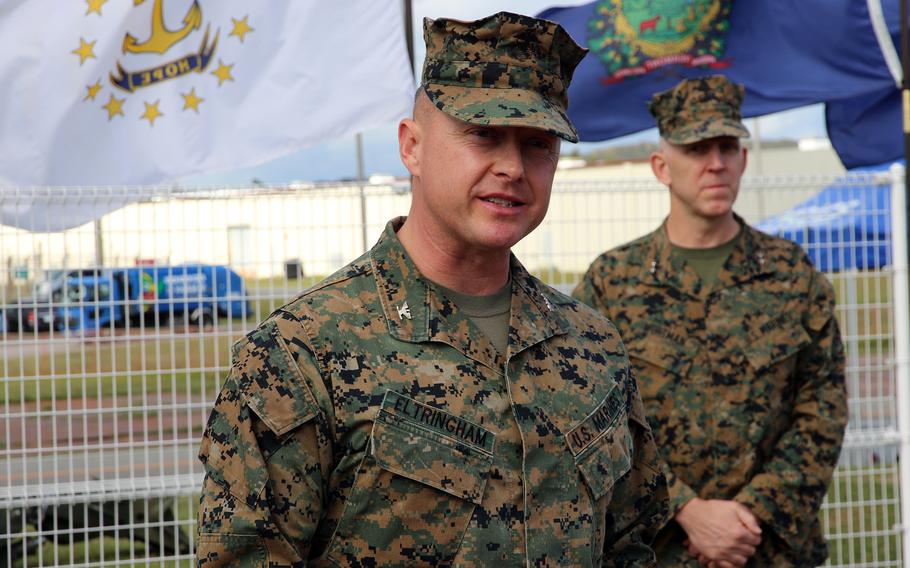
[(370, 422), (742, 378)]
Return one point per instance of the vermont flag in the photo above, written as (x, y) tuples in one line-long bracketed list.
[(787, 54), (111, 92)]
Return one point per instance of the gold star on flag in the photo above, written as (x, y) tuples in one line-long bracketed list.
[(114, 107), (151, 112), (241, 28), (223, 72), (94, 6), (191, 100), (93, 90), (85, 50)]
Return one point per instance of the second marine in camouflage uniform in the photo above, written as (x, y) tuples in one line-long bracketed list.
[(370, 421), (742, 378)]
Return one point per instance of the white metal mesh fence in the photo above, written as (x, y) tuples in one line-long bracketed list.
[(101, 411)]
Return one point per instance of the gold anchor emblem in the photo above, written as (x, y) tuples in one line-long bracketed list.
[(162, 39)]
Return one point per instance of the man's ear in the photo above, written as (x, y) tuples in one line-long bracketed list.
[(409, 137), (659, 167)]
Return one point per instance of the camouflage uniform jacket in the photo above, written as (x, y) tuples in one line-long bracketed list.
[(743, 381), (367, 423)]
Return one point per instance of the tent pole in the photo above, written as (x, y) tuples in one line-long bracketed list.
[(905, 101), (900, 230), (901, 345), (905, 98)]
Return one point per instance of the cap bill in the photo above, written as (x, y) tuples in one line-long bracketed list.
[(710, 128), (501, 107)]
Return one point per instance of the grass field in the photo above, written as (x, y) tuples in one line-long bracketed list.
[(861, 517), (189, 365), (864, 310), (116, 363)]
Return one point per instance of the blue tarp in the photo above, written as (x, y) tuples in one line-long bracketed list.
[(845, 226)]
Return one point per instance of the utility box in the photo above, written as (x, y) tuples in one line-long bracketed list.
[(293, 269)]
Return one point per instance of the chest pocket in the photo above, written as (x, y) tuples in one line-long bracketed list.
[(416, 487), (602, 444), (654, 348), (774, 341), (657, 360)]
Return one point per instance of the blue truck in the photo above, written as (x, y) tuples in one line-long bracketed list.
[(20, 313), (92, 299)]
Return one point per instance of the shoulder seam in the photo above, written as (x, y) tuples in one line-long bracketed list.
[(360, 270)]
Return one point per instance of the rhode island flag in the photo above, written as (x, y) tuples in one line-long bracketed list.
[(129, 92)]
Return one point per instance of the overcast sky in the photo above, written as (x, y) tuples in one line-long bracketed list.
[(337, 159)]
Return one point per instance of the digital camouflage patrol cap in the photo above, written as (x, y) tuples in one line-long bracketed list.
[(502, 70), (698, 109)]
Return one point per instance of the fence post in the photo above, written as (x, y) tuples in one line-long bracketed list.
[(901, 346), (361, 178), (99, 244)]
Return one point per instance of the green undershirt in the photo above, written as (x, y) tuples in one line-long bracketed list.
[(708, 261), (490, 313)]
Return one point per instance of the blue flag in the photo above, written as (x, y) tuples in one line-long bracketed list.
[(866, 130), (787, 54)]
